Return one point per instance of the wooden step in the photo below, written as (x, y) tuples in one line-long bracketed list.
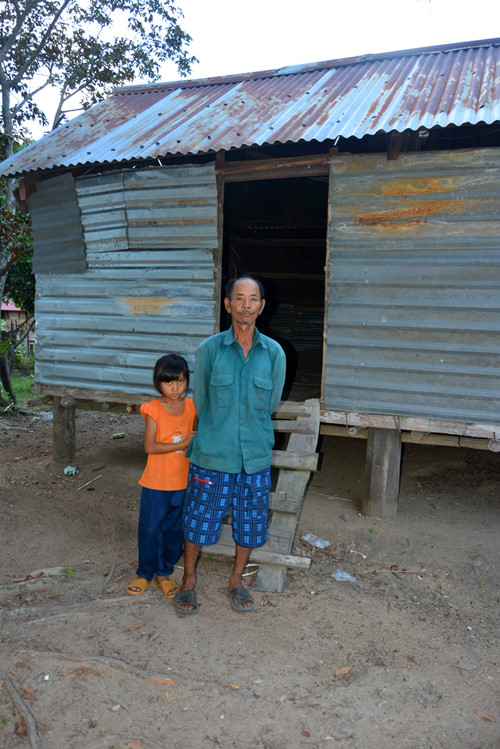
[(290, 409), (301, 425), (296, 461), (295, 465), (279, 502), (273, 552)]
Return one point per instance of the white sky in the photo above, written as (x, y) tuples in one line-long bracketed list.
[(231, 36)]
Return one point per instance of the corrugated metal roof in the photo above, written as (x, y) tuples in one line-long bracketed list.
[(429, 87)]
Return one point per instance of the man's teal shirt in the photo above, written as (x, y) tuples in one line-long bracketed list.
[(234, 398)]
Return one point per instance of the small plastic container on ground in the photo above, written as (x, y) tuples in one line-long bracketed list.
[(343, 577), (318, 543)]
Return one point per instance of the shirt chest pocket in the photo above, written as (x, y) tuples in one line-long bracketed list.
[(222, 390), (262, 388)]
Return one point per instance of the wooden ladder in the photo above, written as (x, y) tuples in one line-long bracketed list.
[(295, 464)]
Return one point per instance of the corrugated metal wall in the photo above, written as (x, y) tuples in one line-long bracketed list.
[(57, 227), (148, 288), (414, 285)]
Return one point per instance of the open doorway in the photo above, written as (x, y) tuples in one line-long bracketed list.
[(276, 229)]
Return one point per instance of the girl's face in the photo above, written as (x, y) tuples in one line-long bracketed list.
[(174, 389)]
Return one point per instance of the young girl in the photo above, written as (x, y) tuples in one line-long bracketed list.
[(170, 424)]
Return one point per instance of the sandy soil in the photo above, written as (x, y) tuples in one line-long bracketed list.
[(404, 657)]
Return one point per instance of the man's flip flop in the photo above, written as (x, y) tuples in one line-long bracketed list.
[(168, 587), (186, 598), (139, 582), (239, 596)]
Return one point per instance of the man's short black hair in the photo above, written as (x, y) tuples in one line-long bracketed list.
[(170, 367), (232, 281)]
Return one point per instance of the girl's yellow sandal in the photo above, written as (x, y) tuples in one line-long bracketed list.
[(141, 583), (168, 587)]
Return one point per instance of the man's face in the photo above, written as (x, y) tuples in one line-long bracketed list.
[(245, 304)]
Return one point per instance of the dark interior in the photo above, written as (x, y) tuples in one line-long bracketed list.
[(276, 230)]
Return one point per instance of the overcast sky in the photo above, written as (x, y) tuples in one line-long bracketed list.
[(230, 36)]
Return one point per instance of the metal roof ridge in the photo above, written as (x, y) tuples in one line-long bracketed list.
[(301, 68)]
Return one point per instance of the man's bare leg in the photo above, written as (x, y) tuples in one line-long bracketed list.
[(191, 553), (240, 560)]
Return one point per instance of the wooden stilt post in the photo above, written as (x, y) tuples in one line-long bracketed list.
[(63, 439), (383, 471), (369, 458)]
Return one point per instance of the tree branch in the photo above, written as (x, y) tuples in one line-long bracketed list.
[(29, 97), (30, 324), (45, 36), (21, 17)]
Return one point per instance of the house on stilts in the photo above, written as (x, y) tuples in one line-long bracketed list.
[(364, 192)]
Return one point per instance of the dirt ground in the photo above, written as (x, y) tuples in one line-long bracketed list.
[(404, 657)]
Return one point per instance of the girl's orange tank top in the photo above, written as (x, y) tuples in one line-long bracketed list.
[(168, 472)]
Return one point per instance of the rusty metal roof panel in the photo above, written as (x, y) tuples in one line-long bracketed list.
[(431, 87)]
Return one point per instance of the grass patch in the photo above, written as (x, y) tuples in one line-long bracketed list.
[(21, 377), (21, 385)]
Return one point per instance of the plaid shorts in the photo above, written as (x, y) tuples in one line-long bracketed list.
[(209, 496)]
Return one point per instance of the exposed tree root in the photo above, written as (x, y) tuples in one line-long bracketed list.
[(111, 573), (105, 741), (54, 616), (26, 586), (65, 608), (115, 663), (23, 708), (43, 572)]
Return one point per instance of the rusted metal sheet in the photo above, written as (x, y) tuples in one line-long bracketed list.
[(147, 209), (140, 295), (57, 229), (414, 286), (437, 86)]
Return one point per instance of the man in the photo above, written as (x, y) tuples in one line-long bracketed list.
[(238, 381)]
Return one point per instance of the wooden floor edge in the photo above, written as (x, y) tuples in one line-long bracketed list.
[(353, 420), (348, 419)]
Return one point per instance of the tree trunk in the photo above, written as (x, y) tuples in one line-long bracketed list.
[(8, 358), (5, 378), (8, 143)]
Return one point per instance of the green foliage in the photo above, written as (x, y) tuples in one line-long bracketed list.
[(16, 237), (24, 364), (20, 283), (82, 48)]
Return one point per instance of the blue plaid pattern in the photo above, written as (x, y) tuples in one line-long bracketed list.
[(209, 496)]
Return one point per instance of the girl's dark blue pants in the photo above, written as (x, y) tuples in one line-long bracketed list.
[(160, 534)]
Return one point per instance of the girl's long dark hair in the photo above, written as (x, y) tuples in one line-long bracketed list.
[(170, 367)]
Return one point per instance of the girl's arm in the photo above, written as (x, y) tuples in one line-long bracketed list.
[(152, 447)]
